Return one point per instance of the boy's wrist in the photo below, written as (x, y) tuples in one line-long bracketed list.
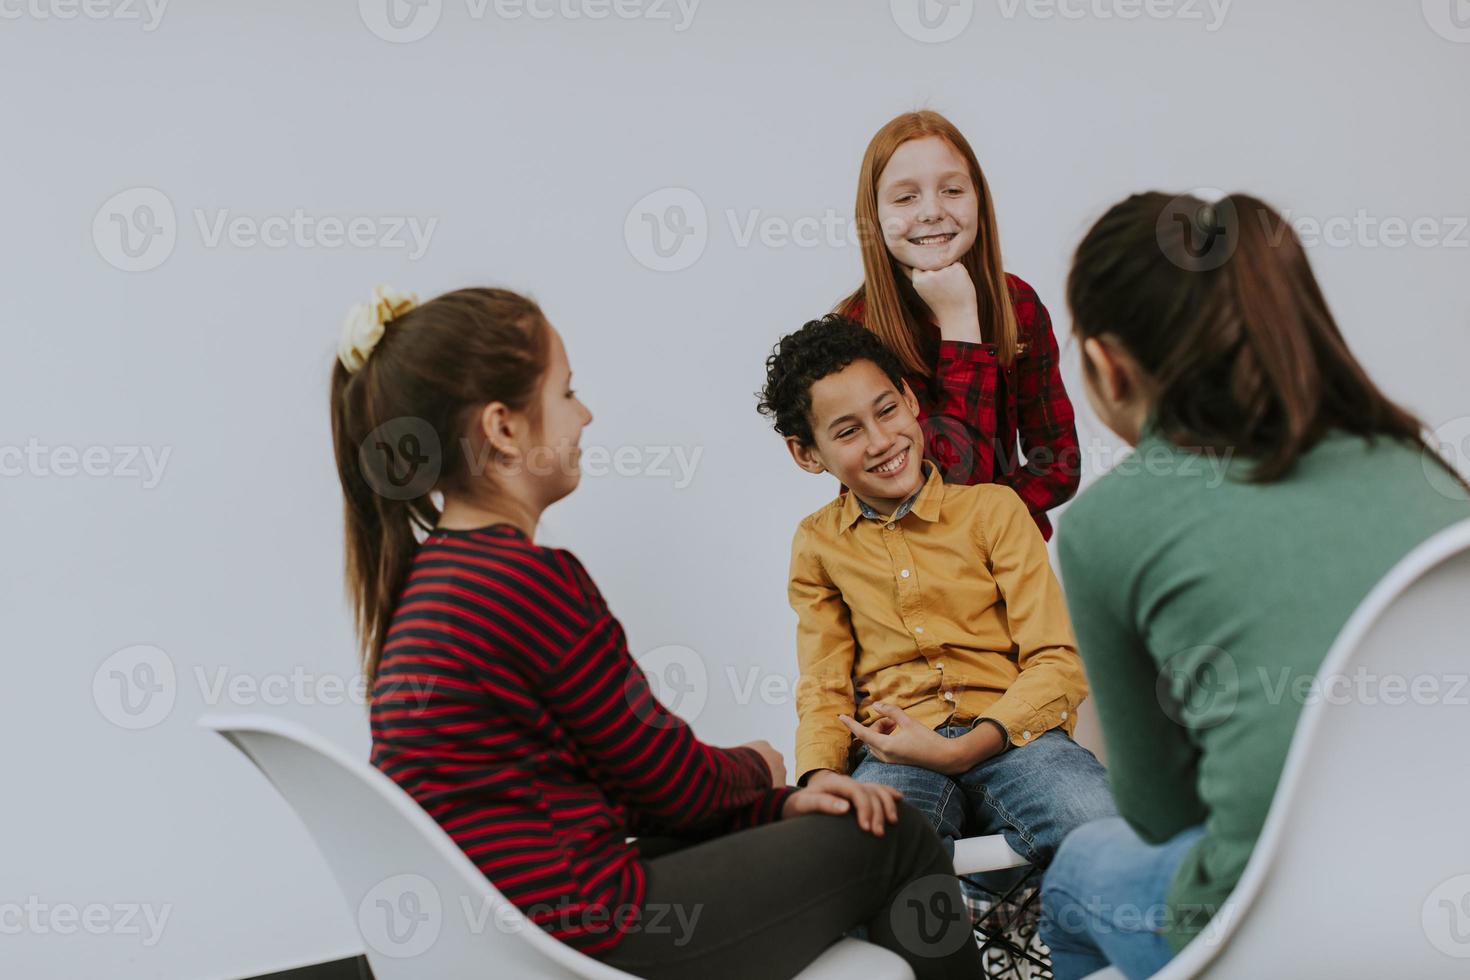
[(814, 776), (986, 739)]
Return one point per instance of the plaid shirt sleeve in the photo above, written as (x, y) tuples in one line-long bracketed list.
[(1045, 421), (959, 426)]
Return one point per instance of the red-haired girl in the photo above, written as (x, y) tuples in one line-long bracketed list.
[(975, 341)]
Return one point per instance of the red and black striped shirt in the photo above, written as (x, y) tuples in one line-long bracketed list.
[(508, 706)]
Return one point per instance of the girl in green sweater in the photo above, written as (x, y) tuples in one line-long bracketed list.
[(1209, 572)]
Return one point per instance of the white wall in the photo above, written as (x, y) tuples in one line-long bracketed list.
[(529, 141)]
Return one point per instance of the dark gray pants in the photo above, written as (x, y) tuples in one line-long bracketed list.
[(762, 904)]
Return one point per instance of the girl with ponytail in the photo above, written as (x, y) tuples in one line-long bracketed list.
[(505, 701), (1272, 486)]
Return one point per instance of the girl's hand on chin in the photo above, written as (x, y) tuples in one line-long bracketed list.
[(950, 295)]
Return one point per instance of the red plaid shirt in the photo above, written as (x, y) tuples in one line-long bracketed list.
[(975, 413)]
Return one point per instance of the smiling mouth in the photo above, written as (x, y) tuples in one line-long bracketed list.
[(892, 465), (934, 239)]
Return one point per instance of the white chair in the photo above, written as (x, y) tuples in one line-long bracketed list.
[(973, 855), (1363, 866), (422, 907), (1005, 953)]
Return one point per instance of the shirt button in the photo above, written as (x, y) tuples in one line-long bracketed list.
[(949, 695), (1026, 736), (918, 629), (904, 573), (889, 525), (939, 664), (1064, 716)]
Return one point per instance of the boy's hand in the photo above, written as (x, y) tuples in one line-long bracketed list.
[(950, 296), (830, 792), (897, 738), (774, 762)]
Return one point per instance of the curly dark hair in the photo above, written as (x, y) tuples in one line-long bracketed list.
[(801, 359)]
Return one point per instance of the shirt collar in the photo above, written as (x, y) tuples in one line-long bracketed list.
[(923, 503)]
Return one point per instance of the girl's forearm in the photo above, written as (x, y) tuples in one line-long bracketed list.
[(961, 326)]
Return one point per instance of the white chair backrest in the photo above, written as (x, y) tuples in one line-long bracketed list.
[(422, 907), (1363, 866)]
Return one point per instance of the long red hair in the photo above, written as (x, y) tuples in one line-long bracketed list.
[(891, 307)]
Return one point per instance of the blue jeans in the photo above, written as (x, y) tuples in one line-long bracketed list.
[(1034, 794), (1103, 900)]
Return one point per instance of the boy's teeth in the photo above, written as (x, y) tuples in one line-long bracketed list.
[(892, 464)]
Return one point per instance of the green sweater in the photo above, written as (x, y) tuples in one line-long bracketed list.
[(1205, 604)]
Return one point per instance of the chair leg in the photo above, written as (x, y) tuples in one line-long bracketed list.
[(1006, 932)]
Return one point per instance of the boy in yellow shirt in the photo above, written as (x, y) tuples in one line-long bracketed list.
[(935, 650)]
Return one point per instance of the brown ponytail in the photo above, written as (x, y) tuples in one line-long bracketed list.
[(1218, 304), (399, 431)]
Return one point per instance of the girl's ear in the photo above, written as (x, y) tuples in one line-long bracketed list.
[(503, 429), (1110, 369), (806, 456)]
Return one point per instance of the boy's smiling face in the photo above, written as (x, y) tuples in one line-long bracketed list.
[(866, 433)]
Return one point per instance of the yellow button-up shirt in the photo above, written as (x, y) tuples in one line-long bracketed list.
[(949, 610)]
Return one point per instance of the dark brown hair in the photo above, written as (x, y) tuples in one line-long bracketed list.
[(891, 305), (1219, 306), (801, 359), (399, 430)]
